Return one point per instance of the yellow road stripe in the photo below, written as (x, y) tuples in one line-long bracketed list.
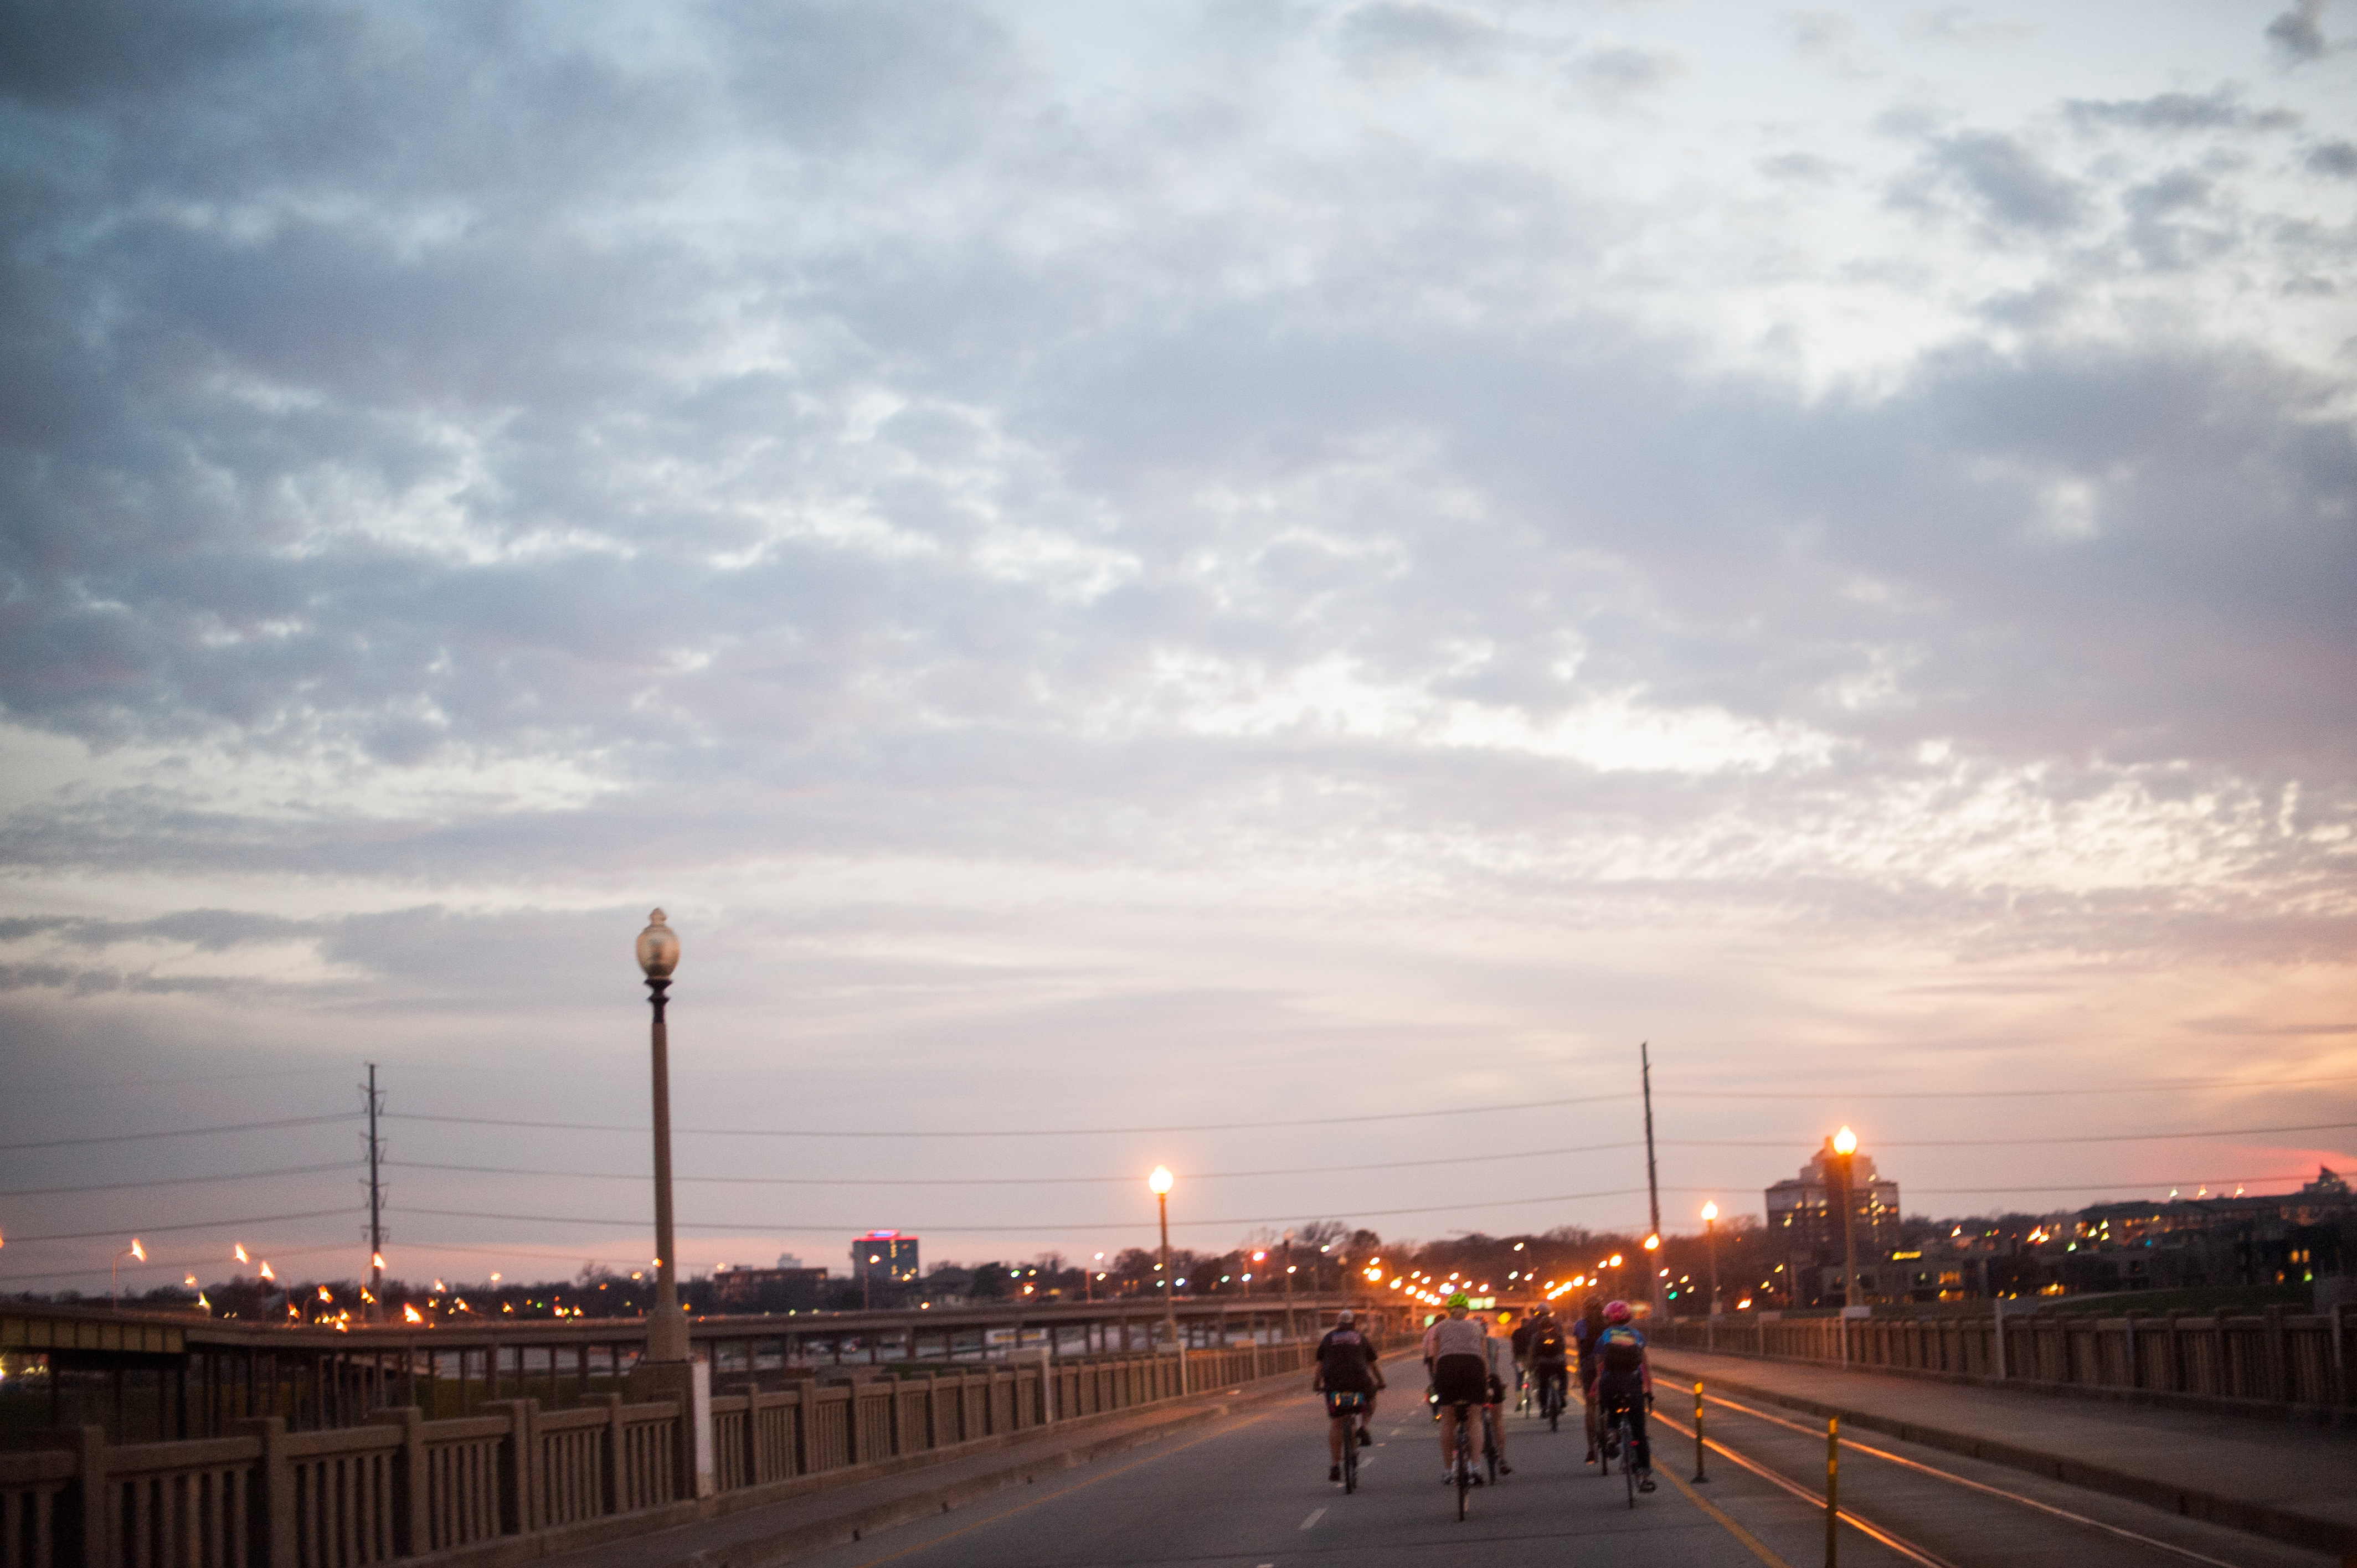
[(1759, 1548), (1067, 1492)]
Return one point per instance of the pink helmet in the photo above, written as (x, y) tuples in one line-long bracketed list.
[(1616, 1312)]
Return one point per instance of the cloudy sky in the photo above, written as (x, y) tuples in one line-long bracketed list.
[(1164, 566)]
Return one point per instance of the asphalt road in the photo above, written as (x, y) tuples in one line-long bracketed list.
[(1251, 1491)]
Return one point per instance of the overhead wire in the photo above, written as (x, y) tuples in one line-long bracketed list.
[(180, 1181), (1557, 1103), (182, 1132), (1130, 1223), (246, 1223)]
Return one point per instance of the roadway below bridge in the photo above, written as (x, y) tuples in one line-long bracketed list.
[(1248, 1488)]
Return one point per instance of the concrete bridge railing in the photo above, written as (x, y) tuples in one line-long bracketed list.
[(517, 1481), (2292, 1363)]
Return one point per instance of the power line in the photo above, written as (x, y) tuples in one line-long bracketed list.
[(1349, 1120), (178, 1181), (1129, 1224), (1125, 1179), (2035, 1138), (192, 1225), (182, 1132), (2166, 1085)]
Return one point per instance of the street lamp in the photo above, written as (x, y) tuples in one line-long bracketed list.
[(1160, 1184), (1844, 1145), (114, 1291), (666, 1329), (1711, 1239)]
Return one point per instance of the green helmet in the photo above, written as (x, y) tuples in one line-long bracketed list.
[(1459, 1299)]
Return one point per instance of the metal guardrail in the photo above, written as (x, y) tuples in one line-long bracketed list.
[(400, 1486), (2297, 1361)]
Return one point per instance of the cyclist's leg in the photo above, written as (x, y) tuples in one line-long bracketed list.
[(1636, 1405)]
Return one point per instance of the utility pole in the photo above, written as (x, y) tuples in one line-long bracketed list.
[(376, 1199), (1652, 1181)]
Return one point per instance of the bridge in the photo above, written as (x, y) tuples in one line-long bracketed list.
[(1060, 1432)]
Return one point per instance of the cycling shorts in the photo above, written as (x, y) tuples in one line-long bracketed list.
[(1342, 1402), (1461, 1380)]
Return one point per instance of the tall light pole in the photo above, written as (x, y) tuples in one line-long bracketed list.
[(115, 1290), (1160, 1182), (1844, 1144), (666, 1329), (1711, 1239)]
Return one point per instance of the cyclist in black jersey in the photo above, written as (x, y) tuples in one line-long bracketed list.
[(1347, 1376), (1549, 1353), (1585, 1332)]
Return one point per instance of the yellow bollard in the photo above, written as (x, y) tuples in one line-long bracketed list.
[(1832, 1484), (1698, 1464)]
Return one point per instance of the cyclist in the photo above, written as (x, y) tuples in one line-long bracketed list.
[(1549, 1352), (1624, 1381), (1584, 1333), (1346, 1367), (1522, 1346), (1456, 1358), (1498, 1352)]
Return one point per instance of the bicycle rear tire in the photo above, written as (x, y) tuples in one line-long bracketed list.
[(1464, 1468), (1628, 1458)]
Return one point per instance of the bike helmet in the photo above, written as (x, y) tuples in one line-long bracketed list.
[(1616, 1312), (1457, 1299)]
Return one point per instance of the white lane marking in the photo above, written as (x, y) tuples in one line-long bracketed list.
[(1315, 1515)]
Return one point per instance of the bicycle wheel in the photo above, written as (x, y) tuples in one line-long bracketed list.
[(1464, 1467), (1349, 1459), (1628, 1459)]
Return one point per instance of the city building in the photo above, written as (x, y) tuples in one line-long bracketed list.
[(883, 1258), (1804, 1221), (789, 1287)]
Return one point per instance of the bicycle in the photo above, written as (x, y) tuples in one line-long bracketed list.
[(1620, 1442), (1551, 1381), (1463, 1467), (1344, 1406)]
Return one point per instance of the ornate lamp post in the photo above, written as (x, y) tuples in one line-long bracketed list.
[(666, 1329)]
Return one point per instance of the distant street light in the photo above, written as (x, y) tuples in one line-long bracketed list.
[(1089, 1278), (1160, 1184), (666, 1329), (114, 1290), (1710, 1239), (1844, 1144)]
